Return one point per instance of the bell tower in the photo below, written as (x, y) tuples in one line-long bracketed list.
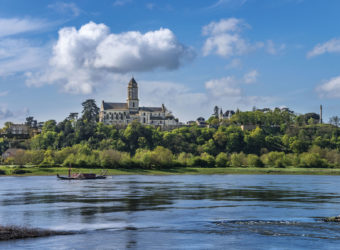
[(132, 100)]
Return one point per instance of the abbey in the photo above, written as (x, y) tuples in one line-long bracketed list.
[(124, 113)]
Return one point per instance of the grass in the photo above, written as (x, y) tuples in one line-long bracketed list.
[(42, 171)]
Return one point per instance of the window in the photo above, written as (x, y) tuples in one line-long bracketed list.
[(133, 104)]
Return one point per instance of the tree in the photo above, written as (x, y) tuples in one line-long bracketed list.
[(30, 122), (334, 120), (90, 111), (216, 109)]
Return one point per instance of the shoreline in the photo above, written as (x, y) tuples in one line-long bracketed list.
[(50, 171)]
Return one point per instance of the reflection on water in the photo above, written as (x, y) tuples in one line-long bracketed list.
[(153, 212)]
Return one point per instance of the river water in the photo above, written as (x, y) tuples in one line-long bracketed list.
[(175, 212)]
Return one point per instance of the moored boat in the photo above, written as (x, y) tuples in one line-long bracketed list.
[(82, 176)]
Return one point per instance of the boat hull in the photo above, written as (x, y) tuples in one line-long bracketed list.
[(81, 177)]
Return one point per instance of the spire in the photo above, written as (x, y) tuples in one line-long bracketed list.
[(132, 83)]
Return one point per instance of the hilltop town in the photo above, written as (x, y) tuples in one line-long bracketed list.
[(120, 135)]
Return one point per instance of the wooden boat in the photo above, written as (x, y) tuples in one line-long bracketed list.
[(82, 176)]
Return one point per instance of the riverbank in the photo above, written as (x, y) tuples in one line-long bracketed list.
[(41, 171)]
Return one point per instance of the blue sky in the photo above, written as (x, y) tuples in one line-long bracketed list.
[(189, 55)]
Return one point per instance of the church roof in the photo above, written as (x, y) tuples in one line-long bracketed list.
[(151, 109), (133, 83), (114, 105)]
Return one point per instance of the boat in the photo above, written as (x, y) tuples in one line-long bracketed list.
[(82, 176)]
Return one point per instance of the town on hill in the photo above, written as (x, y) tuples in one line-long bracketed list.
[(125, 135)]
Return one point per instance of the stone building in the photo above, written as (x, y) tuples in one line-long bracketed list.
[(112, 113)]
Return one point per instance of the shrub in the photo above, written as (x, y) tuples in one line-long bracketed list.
[(209, 159), (2, 172), (311, 160), (222, 160), (110, 158), (254, 161), (197, 161), (20, 171), (238, 160)]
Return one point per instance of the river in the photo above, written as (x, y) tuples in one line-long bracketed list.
[(175, 212)]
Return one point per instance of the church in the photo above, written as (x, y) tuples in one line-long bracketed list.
[(113, 113)]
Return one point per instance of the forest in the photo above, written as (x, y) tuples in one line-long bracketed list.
[(281, 139)]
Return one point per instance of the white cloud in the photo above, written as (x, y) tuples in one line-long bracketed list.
[(227, 92), (330, 89), (226, 86), (236, 63), (19, 55), (14, 115), (331, 46), (224, 39), (251, 77), (121, 2), (63, 8), (83, 58), (273, 49), (13, 26)]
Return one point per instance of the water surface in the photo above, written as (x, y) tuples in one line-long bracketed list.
[(175, 212)]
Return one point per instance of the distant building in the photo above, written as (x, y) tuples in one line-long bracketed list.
[(17, 130), (125, 113), (200, 121), (11, 152), (191, 123), (226, 115), (248, 127)]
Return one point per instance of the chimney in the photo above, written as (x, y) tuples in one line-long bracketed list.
[(320, 114)]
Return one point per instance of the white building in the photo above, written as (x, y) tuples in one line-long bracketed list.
[(124, 113)]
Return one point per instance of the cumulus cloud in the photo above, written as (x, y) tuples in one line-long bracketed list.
[(224, 39), (228, 92), (65, 8), (330, 89), (13, 26), (82, 58), (251, 77), (226, 86), (331, 46)]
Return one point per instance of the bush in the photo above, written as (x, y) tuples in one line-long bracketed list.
[(110, 158), (274, 159), (209, 159), (2, 172), (185, 158), (222, 160), (254, 161), (238, 160), (20, 171), (311, 160), (197, 161)]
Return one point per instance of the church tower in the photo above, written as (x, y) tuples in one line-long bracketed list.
[(132, 101)]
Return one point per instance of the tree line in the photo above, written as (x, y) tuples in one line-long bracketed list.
[(281, 139)]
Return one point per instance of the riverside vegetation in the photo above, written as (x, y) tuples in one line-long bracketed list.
[(282, 139)]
